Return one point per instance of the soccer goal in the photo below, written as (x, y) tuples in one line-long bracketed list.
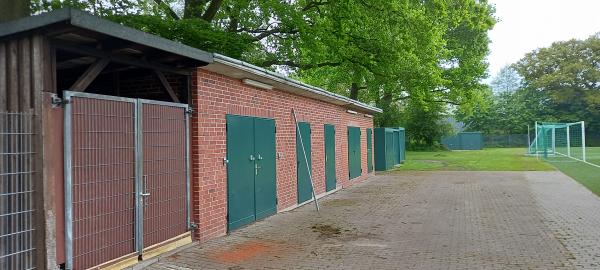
[(559, 141)]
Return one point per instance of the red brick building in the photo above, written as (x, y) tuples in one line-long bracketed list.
[(218, 90)]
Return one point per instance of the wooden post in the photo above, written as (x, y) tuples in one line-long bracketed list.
[(24, 75), (3, 77), (12, 76), (43, 190)]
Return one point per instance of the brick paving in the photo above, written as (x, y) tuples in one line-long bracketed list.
[(421, 220)]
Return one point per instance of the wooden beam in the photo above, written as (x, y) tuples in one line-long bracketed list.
[(3, 78), (25, 75), (12, 67), (137, 62), (167, 86), (43, 185), (89, 75)]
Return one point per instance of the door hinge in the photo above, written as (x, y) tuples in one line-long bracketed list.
[(276, 201), (193, 226), (56, 101), (189, 110), (225, 161)]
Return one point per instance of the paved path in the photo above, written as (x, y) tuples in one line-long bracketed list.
[(425, 220)]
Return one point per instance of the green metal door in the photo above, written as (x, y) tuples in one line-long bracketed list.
[(369, 150), (265, 169), (304, 185), (330, 181), (402, 144), (240, 171), (354, 152), (396, 143), (389, 150)]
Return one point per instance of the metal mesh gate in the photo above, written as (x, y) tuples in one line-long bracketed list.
[(165, 172), (102, 180), (16, 191), (126, 176)]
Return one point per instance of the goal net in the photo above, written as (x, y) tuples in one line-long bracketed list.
[(559, 141)]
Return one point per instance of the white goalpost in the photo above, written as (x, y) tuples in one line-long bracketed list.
[(560, 141)]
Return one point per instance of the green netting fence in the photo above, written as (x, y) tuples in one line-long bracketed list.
[(505, 140)]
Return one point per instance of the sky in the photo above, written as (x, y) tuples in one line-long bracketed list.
[(526, 25)]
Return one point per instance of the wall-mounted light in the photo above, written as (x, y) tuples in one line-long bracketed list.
[(257, 84), (351, 112), (368, 116)]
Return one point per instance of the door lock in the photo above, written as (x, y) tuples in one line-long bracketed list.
[(256, 168), (260, 157), (145, 192), (252, 158)]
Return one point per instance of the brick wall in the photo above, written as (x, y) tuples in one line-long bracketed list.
[(216, 95)]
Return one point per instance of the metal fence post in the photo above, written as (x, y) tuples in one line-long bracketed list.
[(139, 171), (583, 140), (68, 183), (188, 167), (568, 140)]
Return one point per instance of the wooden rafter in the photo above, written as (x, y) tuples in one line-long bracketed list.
[(166, 85), (89, 75), (133, 61)]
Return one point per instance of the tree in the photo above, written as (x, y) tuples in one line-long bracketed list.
[(560, 83), (506, 81), (503, 113), (563, 81), (425, 125)]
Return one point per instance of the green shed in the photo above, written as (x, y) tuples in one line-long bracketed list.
[(401, 144), (464, 141), (390, 147)]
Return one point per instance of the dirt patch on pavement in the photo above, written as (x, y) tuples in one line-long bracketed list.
[(247, 251), (327, 230)]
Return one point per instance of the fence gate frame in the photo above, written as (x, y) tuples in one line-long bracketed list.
[(139, 160)]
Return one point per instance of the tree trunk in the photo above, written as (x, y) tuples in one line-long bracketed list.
[(354, 91), (194, 8), (13, 9), (385, 104), (212, 10)]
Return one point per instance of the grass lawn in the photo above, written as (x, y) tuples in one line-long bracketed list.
[(586, 174), (493, 159)]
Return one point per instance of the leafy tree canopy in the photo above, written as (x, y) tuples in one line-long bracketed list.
[(566, 79), (390, 53), (560, 83)]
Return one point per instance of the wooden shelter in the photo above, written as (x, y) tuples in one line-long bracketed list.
[(104, 66)]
